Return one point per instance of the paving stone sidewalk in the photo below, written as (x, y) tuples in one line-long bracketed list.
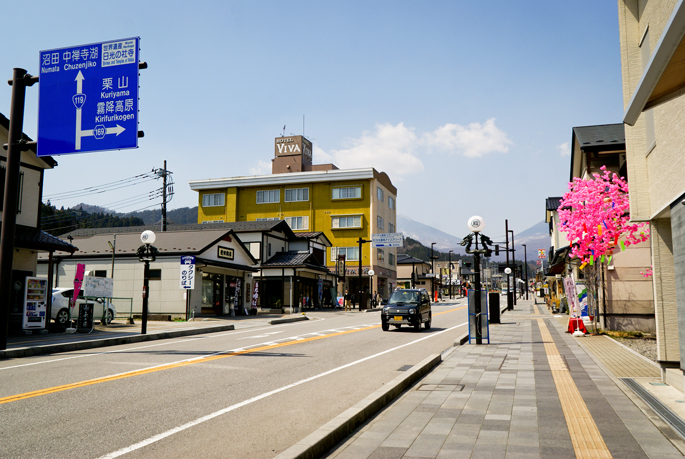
[(504, 400)]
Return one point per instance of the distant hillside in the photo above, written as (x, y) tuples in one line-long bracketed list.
[(415, 249), (182, 216), (427, 234)]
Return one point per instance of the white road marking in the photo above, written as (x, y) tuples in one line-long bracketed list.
[(228, 409)]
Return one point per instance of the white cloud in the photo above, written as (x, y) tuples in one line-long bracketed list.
[(396, 149), (564, 149), (474, 140), (390, 149), (263, 168)]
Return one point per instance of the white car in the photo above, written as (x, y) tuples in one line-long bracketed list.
[(60, 305)]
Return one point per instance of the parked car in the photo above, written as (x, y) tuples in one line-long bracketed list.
[(60, 305), (410, 307)]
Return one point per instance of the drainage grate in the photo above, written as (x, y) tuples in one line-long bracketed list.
[(659, 408), (405, 368), (449, 387)]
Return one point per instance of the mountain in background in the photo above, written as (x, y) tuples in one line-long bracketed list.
[(427, 234), (536, 237)]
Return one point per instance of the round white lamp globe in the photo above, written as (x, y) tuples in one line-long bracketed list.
[(148, 237), (476, 224), (371, 272), (507, 271)]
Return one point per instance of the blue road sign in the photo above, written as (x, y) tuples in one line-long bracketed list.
[(88, 98)]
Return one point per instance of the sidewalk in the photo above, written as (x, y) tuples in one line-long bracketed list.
[(534, 392)]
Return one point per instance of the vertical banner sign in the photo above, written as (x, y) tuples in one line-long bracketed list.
[(255, 294), (320, 291), (188, 272), (541, 253), (88, 98), (238, 296), (572, 297), (78, 281)]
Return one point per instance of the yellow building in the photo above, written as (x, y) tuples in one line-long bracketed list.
[(345, 205)]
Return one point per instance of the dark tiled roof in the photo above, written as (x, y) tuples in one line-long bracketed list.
[(292, 259), (32, 238), (601, 136), (404, 259), (552, 203)]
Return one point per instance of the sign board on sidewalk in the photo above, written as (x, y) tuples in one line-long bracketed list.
[(98, 287), (188, 272), (387, 240), (88, 98)]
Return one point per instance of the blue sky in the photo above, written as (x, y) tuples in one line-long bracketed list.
[(468, 106)]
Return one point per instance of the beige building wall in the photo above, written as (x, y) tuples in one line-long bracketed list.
[(656, 164)]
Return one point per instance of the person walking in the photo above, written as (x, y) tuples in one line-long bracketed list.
[(347, 300)]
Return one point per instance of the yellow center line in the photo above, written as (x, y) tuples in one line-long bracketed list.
[(585, 437), (223, 355)]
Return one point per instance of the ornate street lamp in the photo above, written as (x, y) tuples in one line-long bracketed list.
[(476, 225), (146, 253)]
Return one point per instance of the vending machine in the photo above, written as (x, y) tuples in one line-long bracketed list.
[(35, 303)]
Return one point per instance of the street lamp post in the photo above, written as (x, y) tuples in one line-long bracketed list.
[(433, 270), (476, 225), (361, 289), (513, 262), (449, 254), (525, 267), (146, 253)]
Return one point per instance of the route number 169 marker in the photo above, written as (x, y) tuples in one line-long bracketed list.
[(88, 98)]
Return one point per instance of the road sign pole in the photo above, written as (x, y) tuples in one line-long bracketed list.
[(20, 80)]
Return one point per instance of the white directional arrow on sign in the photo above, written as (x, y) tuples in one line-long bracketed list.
[(100, 131)]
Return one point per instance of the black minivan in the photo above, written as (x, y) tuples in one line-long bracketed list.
[(410, 307)]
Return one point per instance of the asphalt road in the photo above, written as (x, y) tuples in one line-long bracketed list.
[(247, 393)]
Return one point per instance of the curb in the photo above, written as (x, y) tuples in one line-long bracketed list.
[(81, 345), (288, 320), (332, 433)]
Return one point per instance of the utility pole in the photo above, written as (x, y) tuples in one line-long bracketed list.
[(510, 301), (449, 254), (167, 191), (164, 199), (15, 145), (361, 241)]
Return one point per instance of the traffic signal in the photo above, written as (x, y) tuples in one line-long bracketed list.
[(497, 250)]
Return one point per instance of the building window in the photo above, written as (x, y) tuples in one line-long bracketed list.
[(351, 192), (213, 200), (380, 255), (391, 202), (353, 221), (155, 274), (266, 219), (351, 253), (379, 223), (391, 259), (379, 194), (297, 194), (267, 196), (100, 273), (298, 223), (391, 228)]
